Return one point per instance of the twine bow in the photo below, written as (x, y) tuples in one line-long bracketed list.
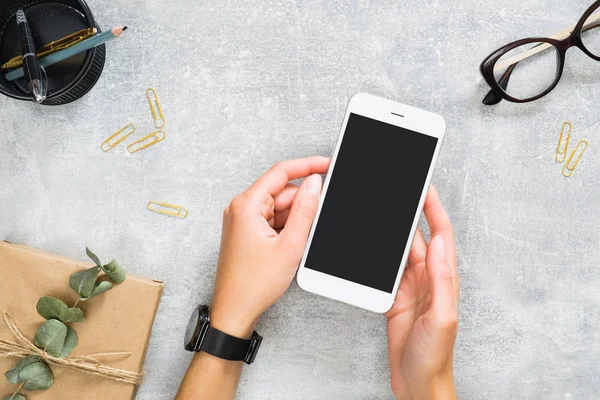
[(89, 363)]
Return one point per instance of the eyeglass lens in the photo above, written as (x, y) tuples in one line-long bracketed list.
[(527, 70), (590, 33)]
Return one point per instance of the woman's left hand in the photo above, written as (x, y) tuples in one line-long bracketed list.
[(265, 231)]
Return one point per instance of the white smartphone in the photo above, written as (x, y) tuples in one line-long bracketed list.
[(371, 202)]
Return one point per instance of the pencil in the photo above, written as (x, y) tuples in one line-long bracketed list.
[(80, 47)]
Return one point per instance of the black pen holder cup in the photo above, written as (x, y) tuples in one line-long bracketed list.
[(51, 20)]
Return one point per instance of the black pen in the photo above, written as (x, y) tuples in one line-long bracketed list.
[(31, 65)]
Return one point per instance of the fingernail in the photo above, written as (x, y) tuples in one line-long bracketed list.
[(439, 246), (313, 184)]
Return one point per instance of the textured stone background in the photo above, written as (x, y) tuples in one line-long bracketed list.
[(245, 84)]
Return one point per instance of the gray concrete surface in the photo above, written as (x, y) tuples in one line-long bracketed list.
[(245, 84)]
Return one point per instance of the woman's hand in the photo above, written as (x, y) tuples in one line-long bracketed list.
[(422, 324), (265, 230)]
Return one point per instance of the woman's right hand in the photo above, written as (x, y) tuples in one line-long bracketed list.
[(422, 324)]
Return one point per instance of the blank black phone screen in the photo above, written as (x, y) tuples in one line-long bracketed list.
[(371, 202)]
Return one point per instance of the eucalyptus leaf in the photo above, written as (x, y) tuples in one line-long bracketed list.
[(83, 282), (71, 315), (16, 396), (100, 288), (70, 342), (93, 257), (50, 336), (114, 271), (13, 374), (37, 376), (50, 307)]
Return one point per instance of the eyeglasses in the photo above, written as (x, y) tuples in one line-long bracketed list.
[(534, 66)]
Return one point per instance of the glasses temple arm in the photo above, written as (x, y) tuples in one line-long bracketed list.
[(592, 22), (589, 26)]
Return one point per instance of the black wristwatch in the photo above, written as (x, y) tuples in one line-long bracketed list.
[(200, 336)]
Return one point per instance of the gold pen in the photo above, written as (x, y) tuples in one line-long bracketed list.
[(54, 46)]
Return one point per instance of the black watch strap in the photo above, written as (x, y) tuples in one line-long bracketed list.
[(223, 345)]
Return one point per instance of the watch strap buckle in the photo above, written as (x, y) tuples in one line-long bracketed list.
[(253, 347)]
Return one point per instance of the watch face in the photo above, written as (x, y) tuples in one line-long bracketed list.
[(191, 328)]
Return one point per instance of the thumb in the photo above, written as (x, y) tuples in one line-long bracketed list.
[(302, 213), (443, 310)]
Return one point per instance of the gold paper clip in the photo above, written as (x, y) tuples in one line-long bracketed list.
[(569, 169), (561, 154), (54, 46), (168, 209), (155, 108), (128, 129), (147, 141)]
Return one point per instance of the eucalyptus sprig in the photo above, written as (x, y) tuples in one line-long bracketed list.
[(54, 336)]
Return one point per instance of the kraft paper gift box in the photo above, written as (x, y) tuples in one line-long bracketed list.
[(119, 320)]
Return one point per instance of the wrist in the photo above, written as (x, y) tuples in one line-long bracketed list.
[(232, 322), (444, 390), (438, 388)]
